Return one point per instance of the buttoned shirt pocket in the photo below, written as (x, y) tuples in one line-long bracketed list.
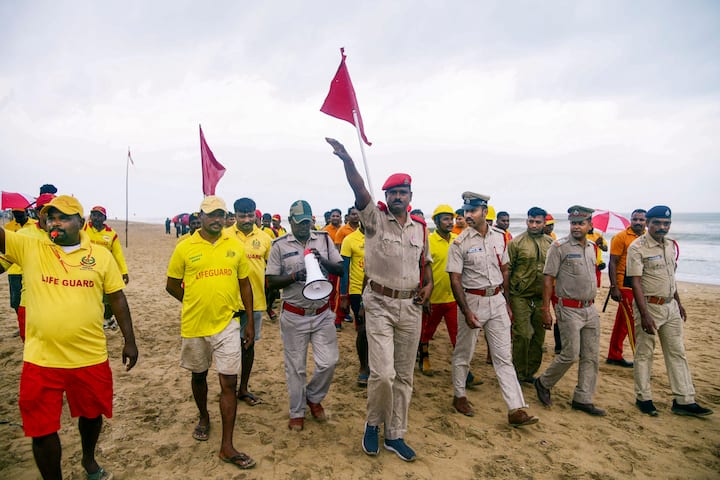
[(416, 243), (478, 257), (654, 263), (390, 244)]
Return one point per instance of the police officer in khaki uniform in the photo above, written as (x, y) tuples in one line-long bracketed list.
[(571, 265), (304, 321), (651, 264), (478, 267), (527, 254), (399, 282)]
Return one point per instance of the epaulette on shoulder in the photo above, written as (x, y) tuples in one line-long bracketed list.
[(498, 230), (458, 240), (419, 220)]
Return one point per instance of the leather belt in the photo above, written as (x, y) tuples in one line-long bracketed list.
[(658, 300), (484, 292), (389, 292), (569, 302), (302, 311)]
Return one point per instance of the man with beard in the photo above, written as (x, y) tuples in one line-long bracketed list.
[(257, 249), (570, 265), (208, 273), (399, 283), (478, 267), (651, 265), (304, 321), (503, 223), (527, 254), (621, 290), (65, 351)]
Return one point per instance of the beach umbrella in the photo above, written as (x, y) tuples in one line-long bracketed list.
[(16, 200), (609, 222)]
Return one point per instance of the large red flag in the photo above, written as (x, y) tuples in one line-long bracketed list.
[(341, 101), (212, 171)]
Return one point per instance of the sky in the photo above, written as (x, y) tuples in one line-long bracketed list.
[(613, 105)]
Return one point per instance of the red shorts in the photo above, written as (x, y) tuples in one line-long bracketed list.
[(89, 392)]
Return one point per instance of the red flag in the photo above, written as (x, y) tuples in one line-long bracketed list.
[(212, 171), (341, 101)]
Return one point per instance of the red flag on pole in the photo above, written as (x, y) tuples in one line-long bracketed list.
[(341, 101), (212, 171)]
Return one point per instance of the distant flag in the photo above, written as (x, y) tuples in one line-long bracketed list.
[(341, 101), (130, 158), (212, 170)]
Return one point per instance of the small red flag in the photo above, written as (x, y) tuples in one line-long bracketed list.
[(341, 101), (212, 171)]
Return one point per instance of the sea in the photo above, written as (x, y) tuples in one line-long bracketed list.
[(697, 234)]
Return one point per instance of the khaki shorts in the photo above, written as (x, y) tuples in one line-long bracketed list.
[(196, 354)]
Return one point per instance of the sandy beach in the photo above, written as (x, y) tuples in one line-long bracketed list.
[(149, 436)]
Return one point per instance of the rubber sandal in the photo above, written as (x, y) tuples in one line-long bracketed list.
[(240, 460), (201, 432), (101, 474), (250, 399)]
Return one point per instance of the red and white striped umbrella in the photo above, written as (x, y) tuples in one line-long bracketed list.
[(16, 200), (609, 222)]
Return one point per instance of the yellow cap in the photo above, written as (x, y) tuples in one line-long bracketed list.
[(66, 204), (212, 203), (444, 208), (491, 213)]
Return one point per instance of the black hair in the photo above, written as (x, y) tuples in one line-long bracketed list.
[(48, 188), (536, 212), (638, 210), (502, 213), (244, 205)]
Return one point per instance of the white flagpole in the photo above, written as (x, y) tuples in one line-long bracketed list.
[(362, 150)]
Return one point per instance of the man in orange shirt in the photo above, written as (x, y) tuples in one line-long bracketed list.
[(621, 291), (353, 222), (335, 223), (459, 222), (333, 228)]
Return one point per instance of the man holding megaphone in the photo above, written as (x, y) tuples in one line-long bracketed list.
[(298, 264)]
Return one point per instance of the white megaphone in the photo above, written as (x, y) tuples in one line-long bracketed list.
[(316, 285)]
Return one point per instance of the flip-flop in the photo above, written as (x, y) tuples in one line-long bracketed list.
[(240, 460), (250, 399), (201, 432)]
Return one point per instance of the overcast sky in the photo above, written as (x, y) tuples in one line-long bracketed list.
[(610, 104)]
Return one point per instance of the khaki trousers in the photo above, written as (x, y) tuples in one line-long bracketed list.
[(393, 331), (670, 331), (493, 316), (580, 336)]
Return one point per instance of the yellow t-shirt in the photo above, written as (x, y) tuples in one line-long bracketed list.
[(107, 237), (28, 229), (353, 247), (36, 232), (441, 293), (269, 231), (210, 273), (257, 249), (63, 297), (13, 226)]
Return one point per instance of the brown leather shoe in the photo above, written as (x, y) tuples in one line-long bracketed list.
[(317, 411), (520, 418), (296, 424), (462, 405)]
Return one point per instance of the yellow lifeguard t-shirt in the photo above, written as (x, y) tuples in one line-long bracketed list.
[(63, 299), (442, 292), (257, 250), (353, 247), (210, 273)]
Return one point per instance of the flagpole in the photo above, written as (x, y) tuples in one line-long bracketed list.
[(127, 169), (362, 151)]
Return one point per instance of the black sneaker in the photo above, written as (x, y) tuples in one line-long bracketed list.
[(691, 410), (370, 443), (647, 407)]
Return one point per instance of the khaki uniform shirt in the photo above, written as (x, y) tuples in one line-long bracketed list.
[(655, 263), (478, 258), (287, 257), (527, 261), (573, 267), (393, 251)]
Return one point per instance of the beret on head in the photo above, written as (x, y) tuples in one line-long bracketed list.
[(397, 180), (659, 211), (98, 208)]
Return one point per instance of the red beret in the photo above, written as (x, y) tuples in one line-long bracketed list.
[(100, 209), (396, 180)]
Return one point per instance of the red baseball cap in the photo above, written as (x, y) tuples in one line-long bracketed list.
[(98, 208), (277, 217), (396, 180)]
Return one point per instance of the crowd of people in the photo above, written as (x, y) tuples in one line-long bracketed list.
[(390, 275)]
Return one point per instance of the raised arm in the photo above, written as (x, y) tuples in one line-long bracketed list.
[(362, 196)]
